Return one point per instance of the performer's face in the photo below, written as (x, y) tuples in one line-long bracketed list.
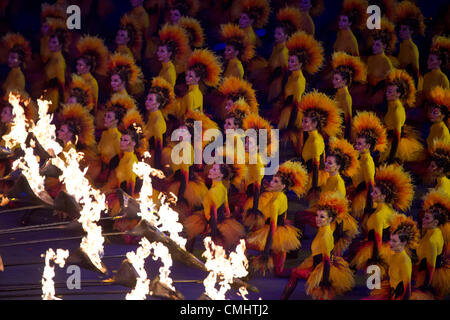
[(361, 144), (331, 165), (276, 184), (279, 35), (228, 104), (392, 92), (191, 78), (404, 32), (230, 52), (293, 63), (338, 81), (136, 3), (229, 124), (116, 83), (378, 47), (396, 244), (122, 38), (215, 173), (434, 169), (175, 15), (377, 196), (152, 104), (127, 143), (344, 22), (305, 5), (64, 133), (433, 62), (428, 221), (245, 21), (53, 44), (250, 144), (72, 100), (309, 124), (435, 115), (13, 60), (6, 115), (82, 67), (163, 54), (322, 218), (110, 120)]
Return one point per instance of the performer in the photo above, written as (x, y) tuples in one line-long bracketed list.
[(49, 13), (438, 58), (439, 163), (326, 275), (254, 14), (393, 191), (181, 8), (126, 77), (347, 69), (233, 89), (277, 237), (237, 48), (80, 91), (310, 8), (304, 53), (129, 38), (369, 136), (353, 15), (141, 18), (194, 31), (404, 237), (438, 112)]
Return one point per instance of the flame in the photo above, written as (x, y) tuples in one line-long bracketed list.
[(223, 270), (44, 131), (19, 126), (137, 260), (48, 285)]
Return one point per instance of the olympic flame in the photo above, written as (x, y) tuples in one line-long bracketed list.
[(48, 285), (19, 126), (137, 260), (44, 131)]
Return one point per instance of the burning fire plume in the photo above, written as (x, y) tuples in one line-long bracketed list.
[(137, 260), (48, 286)]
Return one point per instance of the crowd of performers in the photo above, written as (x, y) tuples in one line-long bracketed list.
[(360, 129)]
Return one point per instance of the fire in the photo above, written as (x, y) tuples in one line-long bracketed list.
[(19, 126), (44, 131), (223, 270), (137, 260), (48, 285)]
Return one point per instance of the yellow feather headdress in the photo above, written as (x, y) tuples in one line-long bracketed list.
[(191, 117), (95, 49), (194, 31), (406, 226), (353, 65), (440, 153), (132, 117), (367, 124), (407, 13), (163, 88), (355, 10), (233, 35), (119, 63), (308, 50), (289, 18), (438, 201), (123, 101), (441, 47), (176, 39), (206, 66), (347, 152), (334, 202), (55, 11), (234, 88), (134, 31), (405, 84), (258, 10), (59, 27), (81, 89), (15, 41), (441, 97), (397, 184), (386, 33), (324, 109), (294, 176), (387, 7), (81, 121), (239, 110), (257, 123)]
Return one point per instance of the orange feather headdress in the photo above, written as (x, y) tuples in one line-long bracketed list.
[(333, 203), (239, 111), (193, 30), (176, 39), (405, 226), (441, 97), (368, 125), (124, 64), (81, 121), (355, 10), (16, 42), (206, 66), (233, 35), (405, 84), (347, 153), (134, 32), (307, 49), (440, 201), (343, 62), (82, 90), (206, 123), (441, 47), (234, 88), (440, 153), (324, 109), (55, 11), (407, 13), (386, 34), (122, 101), (95, 50), (387, 7), (289, 18), (133, 122), (58, 27), (294, 176), (161, 87), (397, 186), (258, 10), (257, 123)]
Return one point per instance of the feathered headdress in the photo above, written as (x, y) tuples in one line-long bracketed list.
[(440, 202), (176, 39), (132, 117), (368, 125), (133, 123), (289, 18), (236, 171), (407, 13), (58, 28), (440, 153), (350, 65), (125, 65), (234, 88), (231, 34), (122, 101), (54, 11), (134, 32), (387, 7), (386, 34), (396, 184), (441, 47), (345, 151), (81, 121), (404, 226), (308, 50), (193, 30), (239, 111), (161, 87), (257, 123), (319, 106), (191, 117), (258, 10), (405, 85), (333, 203), (82, 91), (294, 176), (94, 49), (441, 97), (16, 42), (355, 10), (206, 66), (186, 7)]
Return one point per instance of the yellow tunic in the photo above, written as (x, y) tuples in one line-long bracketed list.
[(140, 16), (193, 100), (216, 197), (295, 86), (156, 125), (234, 68), (335, 184), (276, 206), (432, 79), (186, 151), (55, 69), (438, 131), (344, 102), (408, 55), (254, 171), (378, 67), (314, 147), (92, 82), (367, 167), (168, 73), (124, 50), (400, 269), (395, 117), (251, 35), (306, 23), (380, 219), (15, 82), (124, 171), (346, 42), (430, 246), (443, 185), (279, 56), (323, 242), (109, 144)]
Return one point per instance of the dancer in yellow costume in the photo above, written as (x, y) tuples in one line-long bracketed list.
[(49, 13), (404, 237), (232, 90), (369, 135), (309, 9), (326, 274), (129, 38), (238, 49), (347, 69), (353, 15), (438, 58), (305, 53), (404, 142), (393, 191), (182, 8), (80, 91), (125, 76), (141, 18), (438, 112), (255, 14), (277, 237)]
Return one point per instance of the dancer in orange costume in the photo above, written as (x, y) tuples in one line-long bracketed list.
[(129, 38), (255, 13), (438, 113)]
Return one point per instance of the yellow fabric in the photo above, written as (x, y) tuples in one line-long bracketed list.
[(92, 82), (344, 101), (235, 69), (335, 184), (44, 50), (15, 81), (156, 125), (277, 206), (295, 86), (408, 54), (185, 146), (378, 68), (279, 56), (251, 35), (381, 218), (55, 69), (396, 116), (443, 185), (433, 79), (168, 73), (323, 242), (367, 167), (193, 100), (314, 147), (400, 269), (346, 42), (430, 246), (215, 198), (109, 144), (438, 131), (306, 23), (253, 171), (124, 171), (124, 50)]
